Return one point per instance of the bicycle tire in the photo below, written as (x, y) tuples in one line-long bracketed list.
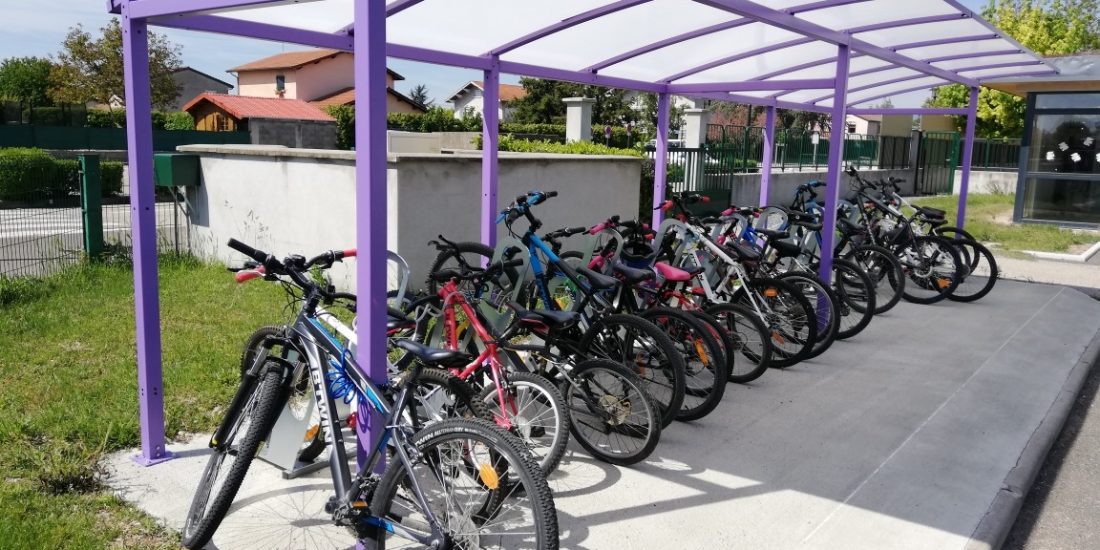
[(729, 345), (549, 396), (705, 366), (629, 414), (751, 337), (940, 288), (528, 483), (471, 251), (954, 233), (796, 309), (664, 384), (263, 410), (856, 307), (827, 329), (461, 402), (886, 269), (965, 292)]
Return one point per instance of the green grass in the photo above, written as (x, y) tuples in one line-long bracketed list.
[(985, 219), (68, 391)]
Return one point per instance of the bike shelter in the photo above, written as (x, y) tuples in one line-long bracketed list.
[(826, 56)]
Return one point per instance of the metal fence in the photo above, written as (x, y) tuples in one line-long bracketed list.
[(995, 154), (47, 229), (107, 139), (799, 150)]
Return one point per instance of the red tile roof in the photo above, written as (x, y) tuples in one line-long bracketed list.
[(347, 97), (295, 60), (242, 107), (508, 92)]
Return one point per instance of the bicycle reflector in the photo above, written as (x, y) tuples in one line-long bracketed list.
[(771, 292)]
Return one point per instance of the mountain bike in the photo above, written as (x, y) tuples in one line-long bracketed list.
[(450, 484)]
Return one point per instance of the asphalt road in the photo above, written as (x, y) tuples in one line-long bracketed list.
[(37, 241), (1061, 510)]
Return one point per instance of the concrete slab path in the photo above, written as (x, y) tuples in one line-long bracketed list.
[(907, 436)]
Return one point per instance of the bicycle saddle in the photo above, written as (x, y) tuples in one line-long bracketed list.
[(396, 320), (552, 319), (632, 275), (598, 281), (434, 356)]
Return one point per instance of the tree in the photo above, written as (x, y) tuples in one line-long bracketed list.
[(543, 102), (91, 69), (790, 119), (1048, 27), (419, 94), (26, 80)]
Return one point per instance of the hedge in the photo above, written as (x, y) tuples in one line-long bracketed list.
[(575, 148), (31, 173), (162, 120)]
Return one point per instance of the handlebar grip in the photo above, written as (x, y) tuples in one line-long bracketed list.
[(257, 255), (349, 253), (550, 194), (249, 274)]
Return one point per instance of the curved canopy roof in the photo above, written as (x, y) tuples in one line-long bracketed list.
[(773, 52)]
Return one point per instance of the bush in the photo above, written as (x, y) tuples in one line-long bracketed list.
[(575, 148), (103, 118), (26, 172), (178, 120), (162, 120), (345, 125), (45, 116), (538, 129), (437, 119)]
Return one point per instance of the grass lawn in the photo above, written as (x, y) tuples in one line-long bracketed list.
[(988, 217), (68, 391)]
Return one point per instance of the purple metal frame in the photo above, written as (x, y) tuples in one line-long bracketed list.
[(836, 155), (490, 109), (968, 154), (660, 165), (370, 44), (370, 204), (139, 135), (769, 151)]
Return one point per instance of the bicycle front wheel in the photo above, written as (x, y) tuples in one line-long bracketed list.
[(705, 365), (751, 339), (536, 412), (229, 462), (459, 464), (613, 419)]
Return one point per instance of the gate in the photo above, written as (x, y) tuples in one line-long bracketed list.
[(937, 157)]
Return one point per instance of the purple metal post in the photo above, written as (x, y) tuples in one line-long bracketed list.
[(836, 157), (139, 142), (769, 150), (968, 155), (489, 138), (370, 201), (660, 165)]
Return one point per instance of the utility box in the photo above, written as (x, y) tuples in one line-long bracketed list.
[(175, 170)]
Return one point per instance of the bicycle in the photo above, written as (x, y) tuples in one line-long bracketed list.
[(463, 461)]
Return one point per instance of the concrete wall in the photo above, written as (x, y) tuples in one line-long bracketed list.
[(985, 182), (302, 134), (896, 125), (458, 140), (746, 187), (303, 201)]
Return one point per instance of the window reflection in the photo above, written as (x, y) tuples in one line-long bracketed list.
[(1065, 144), (1062, 200)]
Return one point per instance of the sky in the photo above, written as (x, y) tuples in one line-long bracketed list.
[(34, 30)]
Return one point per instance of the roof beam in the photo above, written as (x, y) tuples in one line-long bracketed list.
[(791, 23), (717, 87), (804, 8), (907, 22), (737, 57), (968, 55), (1047, 71), (262, 31), (874, 85), (895, 92), (565, 24), (905, 111), (761, 102), (400, 6), (155, 8), (943, 41)]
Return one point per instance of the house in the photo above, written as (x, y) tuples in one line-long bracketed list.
[(269, 120), (325, 77), (470, 97), (192, 83)]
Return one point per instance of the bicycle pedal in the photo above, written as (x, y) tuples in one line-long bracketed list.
[(330, 506)]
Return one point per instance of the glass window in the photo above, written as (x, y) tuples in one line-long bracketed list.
[(1065, 144), (1067, 101), (280, 83), (1062, 200)]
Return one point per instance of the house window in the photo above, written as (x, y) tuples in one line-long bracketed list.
[(221, 123), (851, 128), (280, 83), (1060, 168)]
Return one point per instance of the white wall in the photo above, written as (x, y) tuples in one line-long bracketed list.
[(302, 201), (988, 181)]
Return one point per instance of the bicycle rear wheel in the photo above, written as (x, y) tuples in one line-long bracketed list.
[(981, 272), (459, 463), (230, 459), (855, 298), (537, 413), (705, 366), (789, 317), (885, 271), (933, 266), (612, 417), (752, 340), (642, 346), (824, 301)]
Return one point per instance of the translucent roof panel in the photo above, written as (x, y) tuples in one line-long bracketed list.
[(650, 43), (899, 87)]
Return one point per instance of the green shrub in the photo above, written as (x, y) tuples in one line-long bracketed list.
[(178, 120), (345, 125), (27, 171), (110, 175), (45, 116), (508, 143), (103, 118), (535, 129)]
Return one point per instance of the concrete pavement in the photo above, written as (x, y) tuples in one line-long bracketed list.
[(908, 436)]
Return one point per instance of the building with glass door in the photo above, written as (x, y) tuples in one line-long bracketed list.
[(1059, 173)]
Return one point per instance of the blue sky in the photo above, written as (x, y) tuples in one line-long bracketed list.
[(31, 29)]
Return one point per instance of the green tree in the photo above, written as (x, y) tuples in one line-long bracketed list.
[(419, 94), (1047, 27), (26, 80), (543, 103), (91, 69)]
